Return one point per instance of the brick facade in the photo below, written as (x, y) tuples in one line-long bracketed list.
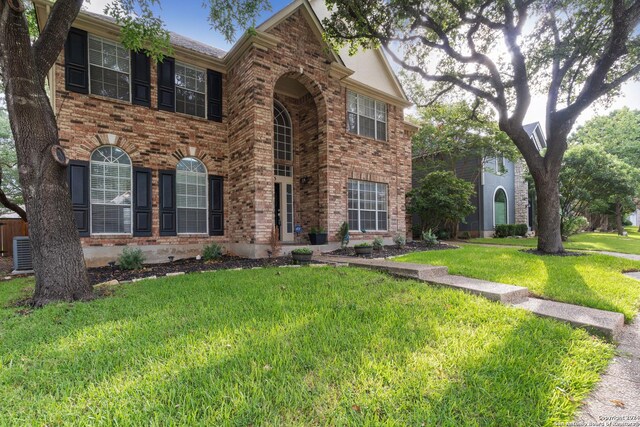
[(240, 148)]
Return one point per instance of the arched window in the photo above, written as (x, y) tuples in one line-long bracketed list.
[(500, 207), (282, 142), (191, 196), (110, 191)]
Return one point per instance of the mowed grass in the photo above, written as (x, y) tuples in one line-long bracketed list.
[(611, 242), (592, 280), (306, 346)]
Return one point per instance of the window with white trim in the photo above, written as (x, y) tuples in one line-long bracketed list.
[(191, 89), (110, 191), (109, 69), (366, 116), (367, 205), (501, 167), (191, 196)]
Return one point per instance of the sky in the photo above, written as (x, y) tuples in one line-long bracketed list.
[(189, 18)]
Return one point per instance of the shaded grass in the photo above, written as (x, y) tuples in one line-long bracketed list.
[(584, 241), (307, 346), (593, 281)]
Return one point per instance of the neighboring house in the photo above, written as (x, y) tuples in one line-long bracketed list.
[(634, 218), (502, 193), (214, 146)]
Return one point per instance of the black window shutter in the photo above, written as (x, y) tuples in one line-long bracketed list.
[(167, 211), (76, 68), (214, 95), (216, 206), (78, 175), (141, 202), (167, 84), (141, 78)]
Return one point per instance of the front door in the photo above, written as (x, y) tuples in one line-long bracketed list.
[(283, 207)]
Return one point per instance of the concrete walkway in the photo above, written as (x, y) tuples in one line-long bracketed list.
[(604, 322), (616, 398)]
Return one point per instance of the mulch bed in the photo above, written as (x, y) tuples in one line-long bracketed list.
[(393, 250), (187, 265), (564, 253)]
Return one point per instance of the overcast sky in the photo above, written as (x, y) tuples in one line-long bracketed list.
[(189, 18)]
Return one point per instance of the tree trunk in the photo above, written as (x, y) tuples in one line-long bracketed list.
[(619, 225), (548, 211), (58, 260)]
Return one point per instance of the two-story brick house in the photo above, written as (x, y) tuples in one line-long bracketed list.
[(224, 146)]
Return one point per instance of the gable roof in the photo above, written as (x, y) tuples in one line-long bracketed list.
[(534, 130)]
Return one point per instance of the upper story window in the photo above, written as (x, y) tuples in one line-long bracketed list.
[(366, 116), (110, 191), (282, 141), (501, 166), (191, 196), (109, 68), (190, 90)]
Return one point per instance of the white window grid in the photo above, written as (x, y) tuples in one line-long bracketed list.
[(191, 89), (110, 187), (110, 56), (282, 134), (367, 205), (366, 116), (191, 197)]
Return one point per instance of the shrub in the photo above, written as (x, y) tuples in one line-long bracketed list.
[(511, 230), (302, 251), (317, 230), (443, 234), (212, 251), (343, 234), (400, 240), (131, 259), (378, 243), (363, 245), (573, 225), (429, 238)]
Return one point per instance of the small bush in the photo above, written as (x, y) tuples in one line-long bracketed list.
[(212, 251), (343, 234), (302, 251), (400, 240), (626, 222), (378, 243), (363, 245), (429, 238), (573, 225), (443, 234), (511, 230), (131, 259)]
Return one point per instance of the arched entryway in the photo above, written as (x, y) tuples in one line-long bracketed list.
[(500, 207), (298, 152)]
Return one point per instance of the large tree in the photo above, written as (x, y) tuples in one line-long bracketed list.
[(58, 260), (575, 51)]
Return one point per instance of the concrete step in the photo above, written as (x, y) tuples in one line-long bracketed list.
[(633, 275), (490, 290), (605, 322), (414, 271)]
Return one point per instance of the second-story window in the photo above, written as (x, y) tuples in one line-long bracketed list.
[(190, 90), (109, 65), (366, 116)]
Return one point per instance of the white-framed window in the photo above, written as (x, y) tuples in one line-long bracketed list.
[(500, 207), (367, 205), (109, 69), (110, 192), (501, 166), (191, 89), (366, 116), (282, 136), (191, 196)]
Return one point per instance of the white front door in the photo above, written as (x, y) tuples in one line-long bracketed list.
[(283, 207)]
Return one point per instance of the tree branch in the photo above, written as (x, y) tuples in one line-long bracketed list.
[(4, 200), (51, 41)]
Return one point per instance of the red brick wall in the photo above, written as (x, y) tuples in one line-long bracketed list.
[(240, 148)]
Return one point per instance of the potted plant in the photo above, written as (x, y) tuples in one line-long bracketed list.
[(364, 248), (318, 236), (302, 254)]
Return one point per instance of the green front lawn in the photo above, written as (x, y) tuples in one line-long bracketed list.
[(307, 346), (592, 280), (583, 241)]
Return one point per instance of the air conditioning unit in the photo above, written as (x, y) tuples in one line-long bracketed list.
[(22, 261)]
